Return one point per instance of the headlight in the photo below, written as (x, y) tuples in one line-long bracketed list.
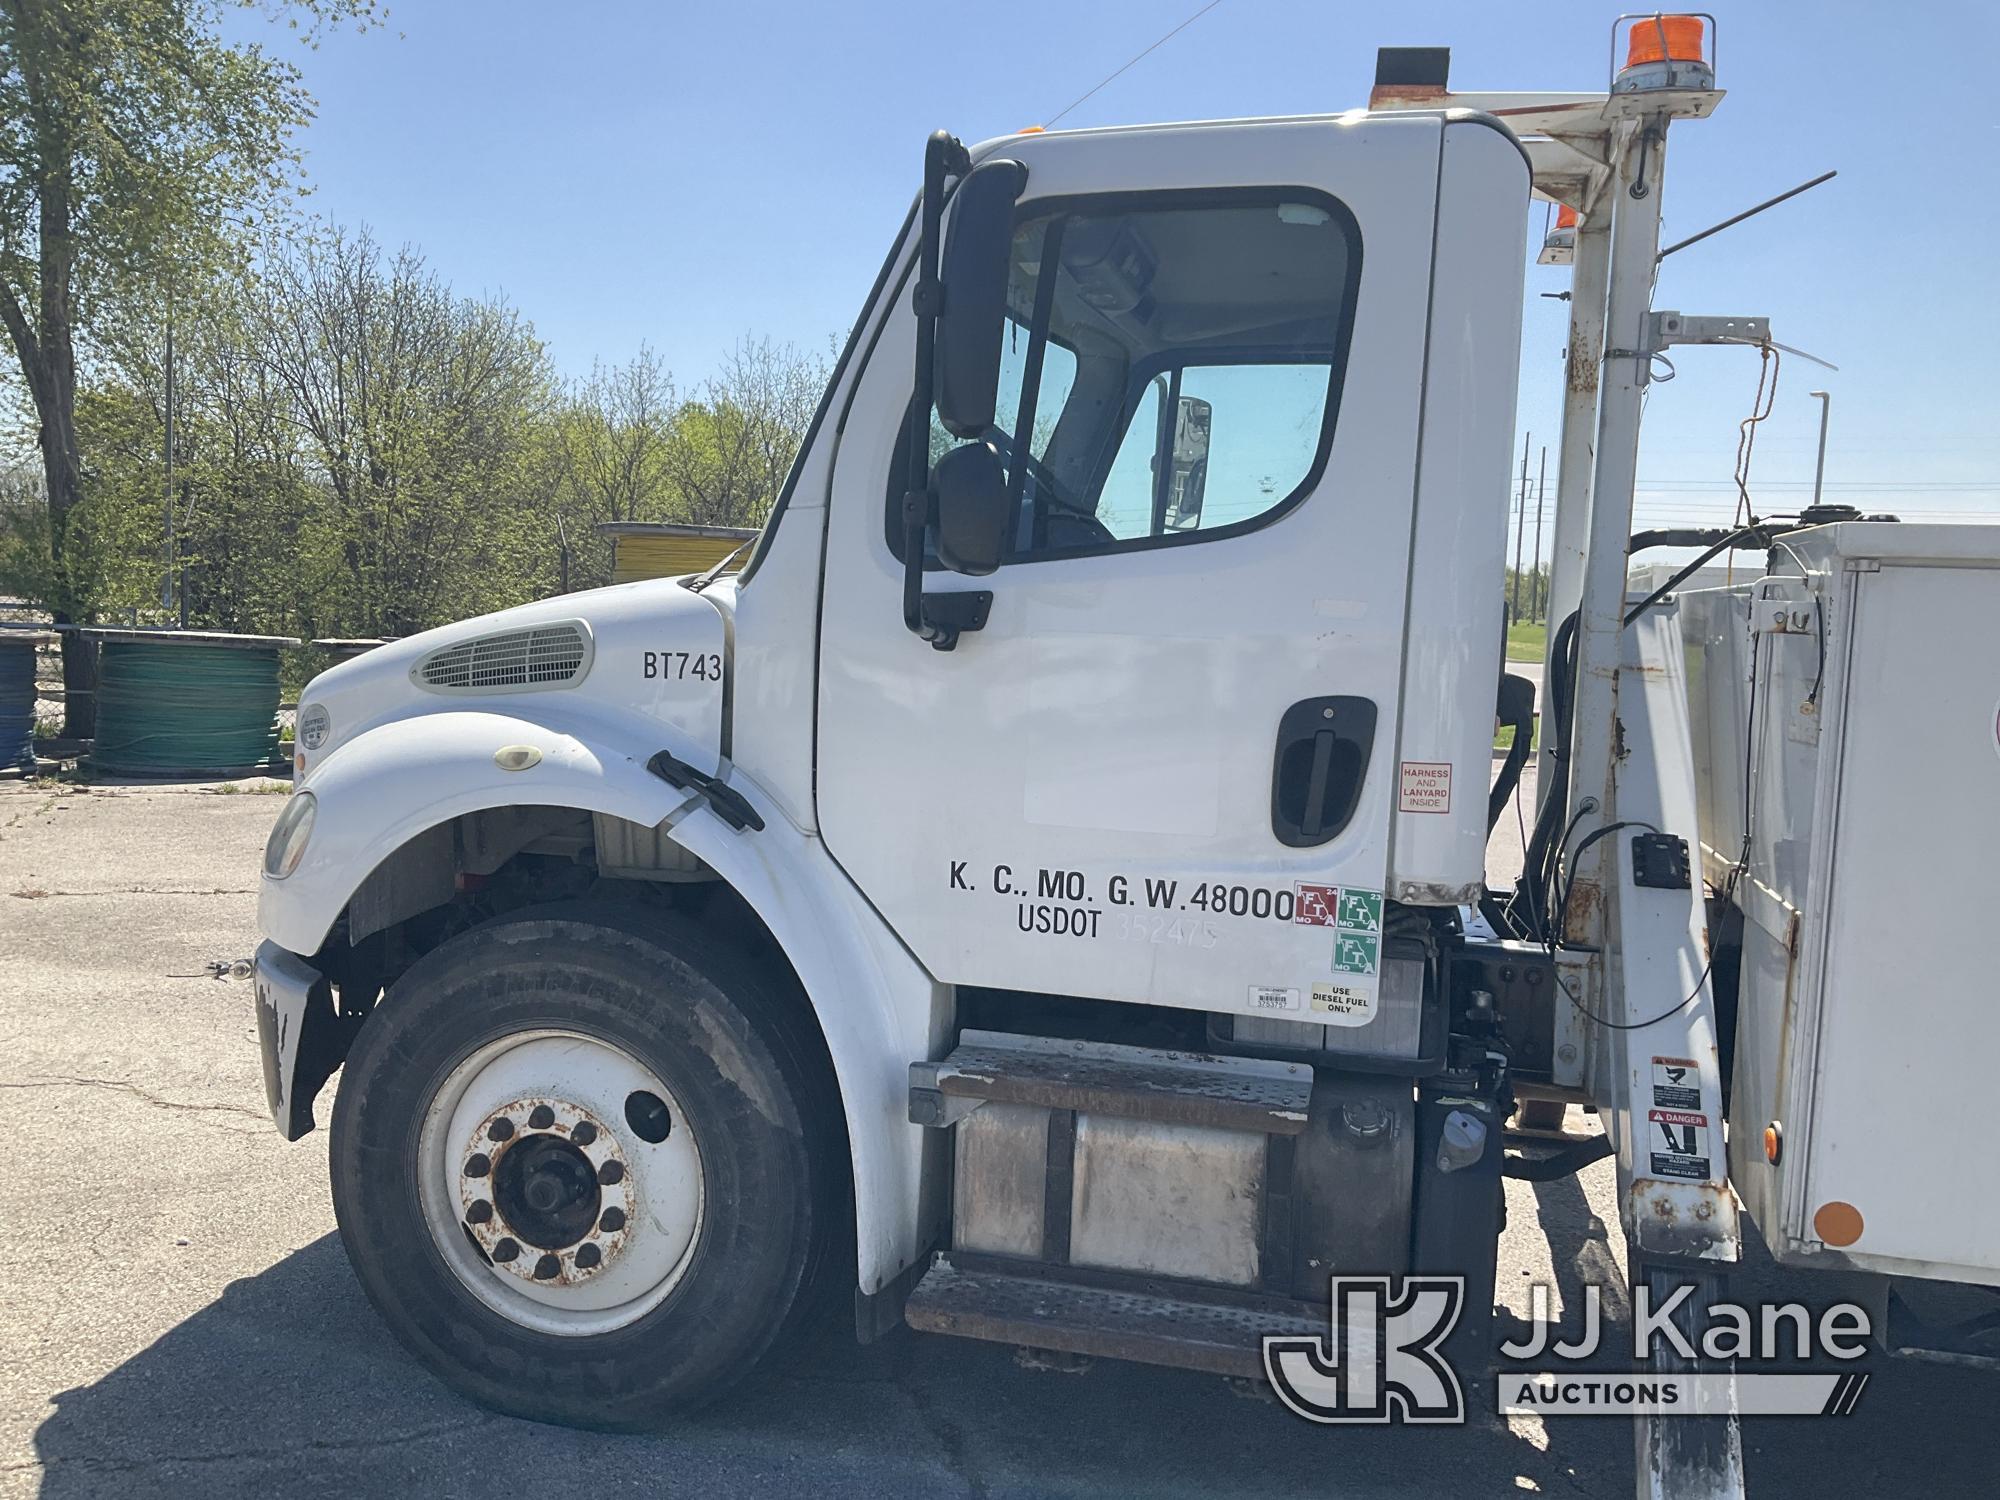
[(287, 844)]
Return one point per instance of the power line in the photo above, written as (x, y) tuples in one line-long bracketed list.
[(1050, 124)]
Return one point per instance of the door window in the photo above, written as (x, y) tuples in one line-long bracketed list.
[(1190, 357)]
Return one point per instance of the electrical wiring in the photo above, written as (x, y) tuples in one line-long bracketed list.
[(1725, 893)]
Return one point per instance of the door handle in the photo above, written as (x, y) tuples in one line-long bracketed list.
[(1320, 765)]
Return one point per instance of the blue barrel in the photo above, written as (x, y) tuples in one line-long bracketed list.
[(17, 695)]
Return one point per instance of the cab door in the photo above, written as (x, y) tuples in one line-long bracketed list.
[(1162, 769)]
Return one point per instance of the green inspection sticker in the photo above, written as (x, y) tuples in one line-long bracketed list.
[(1359, 910), (1355, 952)]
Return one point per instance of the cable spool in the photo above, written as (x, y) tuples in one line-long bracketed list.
[(186, 703), (338, 649), (17, 694), (661, 549)]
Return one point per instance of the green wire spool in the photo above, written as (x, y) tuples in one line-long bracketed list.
[(186, 703)]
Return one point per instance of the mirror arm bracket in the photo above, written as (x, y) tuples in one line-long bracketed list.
[(947, 616)]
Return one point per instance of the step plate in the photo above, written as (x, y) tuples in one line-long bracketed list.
[(1047, 1314), (1178, 1088)]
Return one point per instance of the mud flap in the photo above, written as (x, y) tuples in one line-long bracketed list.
[(301, 1037)]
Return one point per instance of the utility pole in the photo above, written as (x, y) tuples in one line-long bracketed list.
[(167, 565), (1536, 601), (1819, 469), (1520, 528)]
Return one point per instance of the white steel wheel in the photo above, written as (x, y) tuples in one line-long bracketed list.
[(586, 1164), (561, 1182)]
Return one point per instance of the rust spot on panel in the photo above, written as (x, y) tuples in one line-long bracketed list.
[(1581, 376), (1675, 1223), (1583, 900), (1619, 748)]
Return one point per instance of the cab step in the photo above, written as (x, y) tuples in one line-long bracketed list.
[(1186, 1331), (1142, 1083)]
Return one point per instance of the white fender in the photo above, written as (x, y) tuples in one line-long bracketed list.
[(877, 1007), (390, 783)]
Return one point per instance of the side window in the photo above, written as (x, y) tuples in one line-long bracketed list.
[(1189, 352)]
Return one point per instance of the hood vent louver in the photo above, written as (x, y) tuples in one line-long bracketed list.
[(511, 661)]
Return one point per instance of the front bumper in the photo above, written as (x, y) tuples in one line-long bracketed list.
[(300, 1036)]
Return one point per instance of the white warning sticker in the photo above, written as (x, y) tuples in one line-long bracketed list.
[(1680, 1143), (1343, 1004), (1676, 1083), (1425, 787), (1269, 997)]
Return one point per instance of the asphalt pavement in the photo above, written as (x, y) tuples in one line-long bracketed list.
[(177, 1316)]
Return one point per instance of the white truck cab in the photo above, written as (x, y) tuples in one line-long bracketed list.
[(1043, 871)]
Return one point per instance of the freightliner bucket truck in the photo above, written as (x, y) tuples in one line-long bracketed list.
[(1038, 887)]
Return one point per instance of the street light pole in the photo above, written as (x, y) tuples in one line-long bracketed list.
[(1520, 529), (1535, 599), (1819, 469)]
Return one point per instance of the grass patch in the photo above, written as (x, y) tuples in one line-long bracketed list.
[(1527, 641)]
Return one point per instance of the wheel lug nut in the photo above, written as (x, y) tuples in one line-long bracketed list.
[(613, 1220), (587, 1257), (541, 1117), (478, 1212), (501, 1129), (584, 1133), (505, 1251), (610, 1172), (547, 1267), (478, 1164)]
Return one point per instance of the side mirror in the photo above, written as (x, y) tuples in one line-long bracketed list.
[(1187, 474), (973, 508), (977, 251)]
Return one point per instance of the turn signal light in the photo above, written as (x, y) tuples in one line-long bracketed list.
[(1774, 1143)]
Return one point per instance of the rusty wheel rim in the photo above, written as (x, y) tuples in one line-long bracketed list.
[(560, 1181)]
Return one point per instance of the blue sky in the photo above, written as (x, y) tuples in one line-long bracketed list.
[(681, 175)]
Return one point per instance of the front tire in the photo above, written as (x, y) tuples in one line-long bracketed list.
[(572, 1170)]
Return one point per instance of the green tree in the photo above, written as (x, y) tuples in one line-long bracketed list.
[(132, 137)]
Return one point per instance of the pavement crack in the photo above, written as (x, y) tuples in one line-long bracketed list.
[(66, 1081), (96, 1463), (27, 894)]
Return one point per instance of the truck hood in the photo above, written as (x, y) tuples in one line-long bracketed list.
[(619, 658)]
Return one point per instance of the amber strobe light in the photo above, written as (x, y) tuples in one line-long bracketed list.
[(1664, 39)]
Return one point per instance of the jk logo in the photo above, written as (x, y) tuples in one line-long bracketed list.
[(1380, 1362)]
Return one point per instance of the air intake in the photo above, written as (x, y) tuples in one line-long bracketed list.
[(517, 661)]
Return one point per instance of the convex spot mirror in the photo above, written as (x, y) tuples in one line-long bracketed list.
[(973, 512), (974, 271), (1187, 473)]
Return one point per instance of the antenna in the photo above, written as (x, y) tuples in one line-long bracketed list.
[(1134, 59), (1748, 212)]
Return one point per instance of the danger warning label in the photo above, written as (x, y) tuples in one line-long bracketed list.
[(1680, 1143), (1425, 787), (1676, 1083)]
